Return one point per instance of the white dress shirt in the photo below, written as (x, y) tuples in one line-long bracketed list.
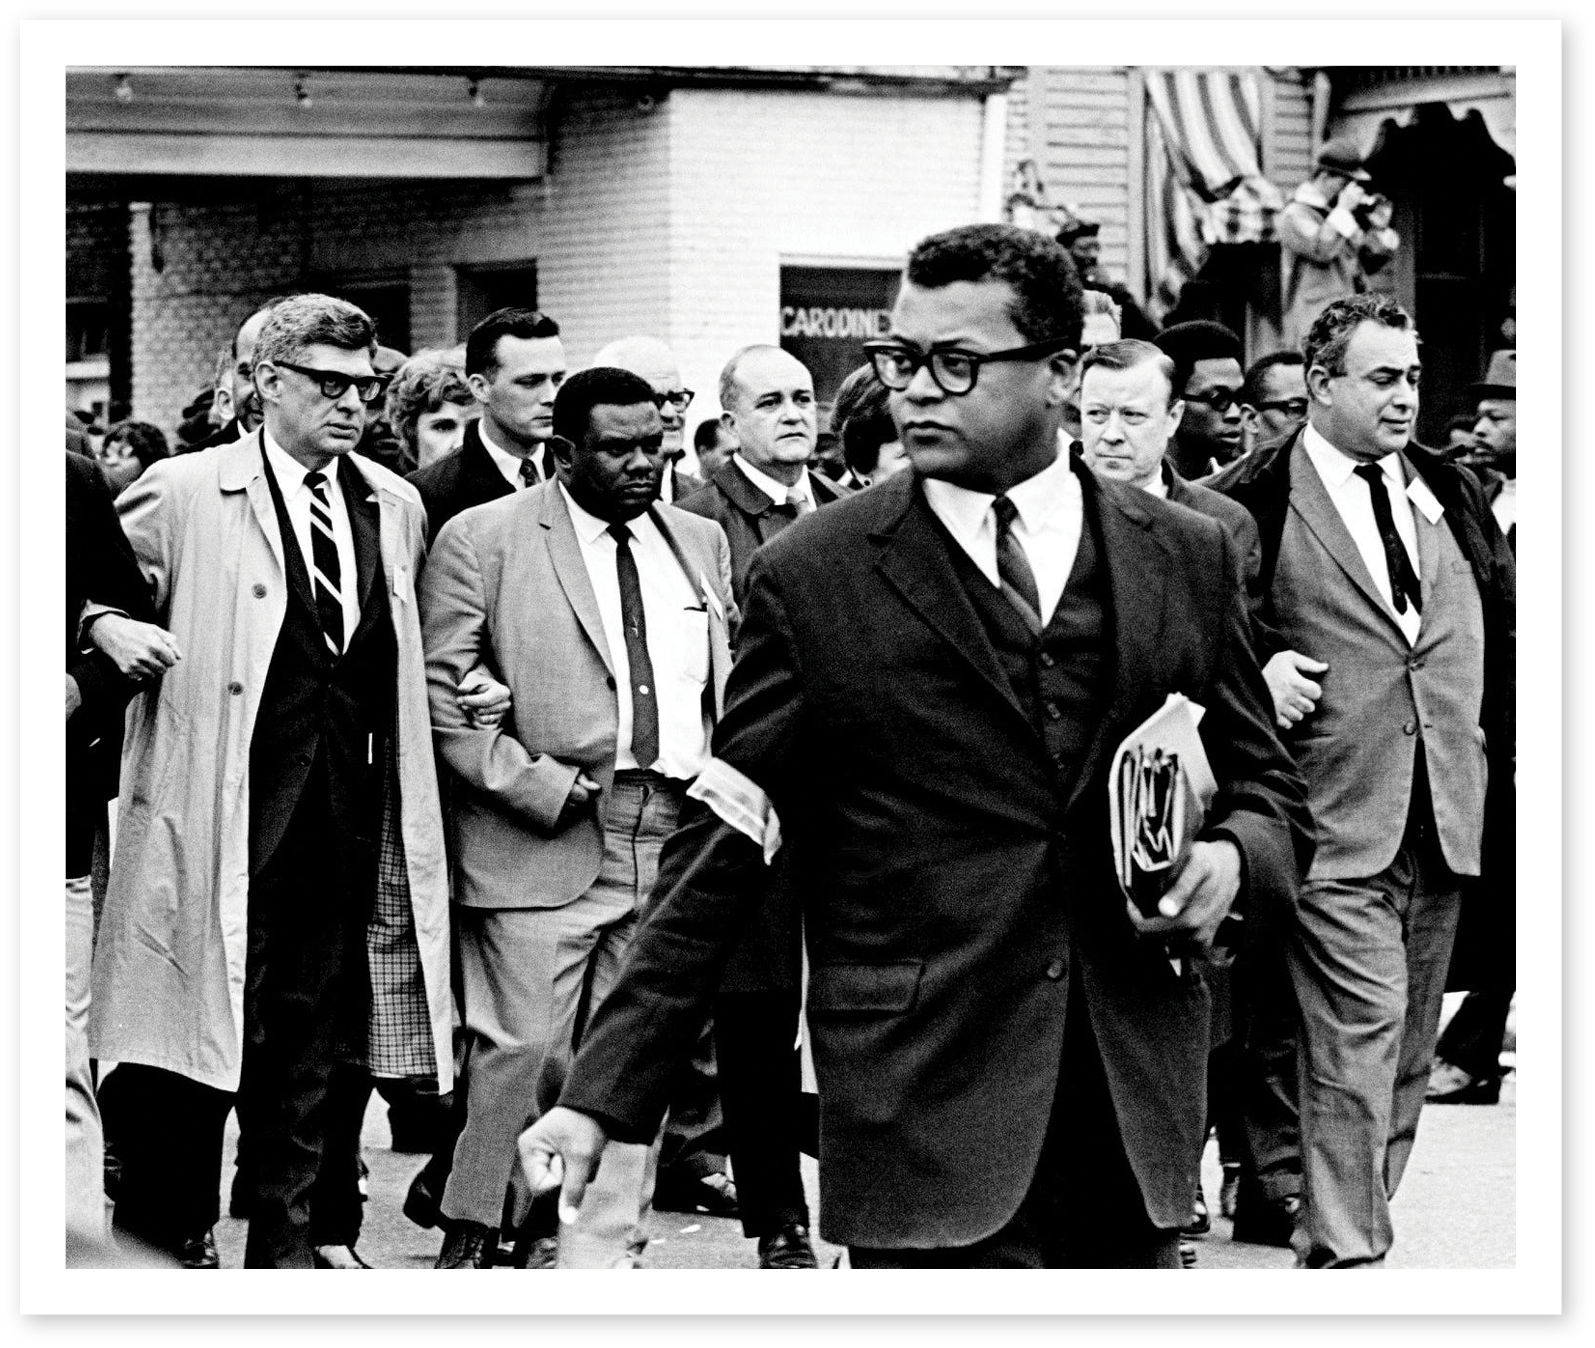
[(1351, 497), (678, 640), (1047, 526), (507, 463), (291, 474), (800, 493)]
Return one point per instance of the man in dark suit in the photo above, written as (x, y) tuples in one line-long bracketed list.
[(768, 399), (245, 400), (1383, 564), (931, 680), (514, 363)]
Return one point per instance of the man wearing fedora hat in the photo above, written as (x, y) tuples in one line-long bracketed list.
[(1494, 454), (1081, 238), (1333, 234)]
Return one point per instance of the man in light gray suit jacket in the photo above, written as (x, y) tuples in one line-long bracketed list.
[(1390, 593), (607, 615)]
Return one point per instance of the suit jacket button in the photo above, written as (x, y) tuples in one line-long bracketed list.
[(1411, 728), (235, 688), (1055, 970), (1053, 710), (1047, 662), (260, 591)]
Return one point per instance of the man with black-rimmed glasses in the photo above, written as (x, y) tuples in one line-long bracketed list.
[(1208, 379), (277, 910)]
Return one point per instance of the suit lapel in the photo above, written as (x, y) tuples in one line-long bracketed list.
[(1309, 498), (242, 467), (914, 562), (482, 479), (361, 499), (1137, 566), (565, 550), (757, 508)]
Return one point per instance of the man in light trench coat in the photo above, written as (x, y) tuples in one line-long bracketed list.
[(278, 903)]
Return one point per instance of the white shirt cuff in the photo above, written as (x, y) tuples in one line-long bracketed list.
[(737, 800)]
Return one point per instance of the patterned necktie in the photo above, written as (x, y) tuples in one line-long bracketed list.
[(1403, 579), (801, 504), (1013, 567), (325, 572), (529, 474), (644, 703)]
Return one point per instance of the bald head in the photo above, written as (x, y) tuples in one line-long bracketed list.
[(768, 397), (651, 359)]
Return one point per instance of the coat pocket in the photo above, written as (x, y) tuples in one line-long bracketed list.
[(839, 989)]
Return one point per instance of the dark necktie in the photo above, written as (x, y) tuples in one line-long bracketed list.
[(529, 473), (644, 702), (325, 572), (1013, 567), (1403, 579)]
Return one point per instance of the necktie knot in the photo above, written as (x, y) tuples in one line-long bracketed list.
[(529, 472), (621, 534), (317, 482), (1006, 512), (1369, 472)]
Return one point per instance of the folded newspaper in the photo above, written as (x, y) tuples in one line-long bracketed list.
[(1159, 790)]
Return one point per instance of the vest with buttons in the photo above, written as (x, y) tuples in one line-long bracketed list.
[(313, 704), (1061, 677)]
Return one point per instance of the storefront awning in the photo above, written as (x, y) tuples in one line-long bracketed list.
[(1204, 180), (255, 121)]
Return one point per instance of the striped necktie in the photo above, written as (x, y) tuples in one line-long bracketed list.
[(529, 474), (1017, 580), (324, 570)]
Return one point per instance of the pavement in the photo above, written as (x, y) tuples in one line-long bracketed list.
[(1455, 1209)]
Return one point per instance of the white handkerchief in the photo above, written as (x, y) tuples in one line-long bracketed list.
[(1419, 494)]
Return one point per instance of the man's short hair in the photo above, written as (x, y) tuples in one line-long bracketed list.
[(314, 320), (707, 436), (1126, 354), (728, 373), (423, 384), (481, 347), (1252, 389), (587, 389), (1199, 339), (1047, 304), (259, 309), (1326, 341), (861, 419)]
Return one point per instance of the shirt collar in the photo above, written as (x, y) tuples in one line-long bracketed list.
[(778, 492), (1336, 466), (289, 472), (1037, 498), (509, 464), (589, 528)]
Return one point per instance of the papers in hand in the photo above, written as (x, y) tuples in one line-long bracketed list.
[(1159, 790)]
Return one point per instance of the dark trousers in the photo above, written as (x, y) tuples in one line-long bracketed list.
[(165, 1132), (695, 1128), (1473, 1038), (1084, 1207), (755, 1036), (1266, 1019)]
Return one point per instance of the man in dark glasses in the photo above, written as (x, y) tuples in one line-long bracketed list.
[(1207, 377), (1273, 399), (277, 914)]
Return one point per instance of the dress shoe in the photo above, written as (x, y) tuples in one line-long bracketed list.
[(787, 1248), (1266, 1221), (337, 1256), (1229, 1191), (197, 1253), (421, 1203), (1200, 1223), (714, 1195), (468, 1245), (1450, 1085)]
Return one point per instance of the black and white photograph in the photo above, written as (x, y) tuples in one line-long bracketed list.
[(708, 645)]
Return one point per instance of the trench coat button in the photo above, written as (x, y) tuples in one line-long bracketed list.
[(1047, 662), (1055, 970), (1411, 728), (1053, 710), (260, 591), (235, 688)]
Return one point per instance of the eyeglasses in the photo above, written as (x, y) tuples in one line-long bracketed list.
[(1219, 399), (680, 399), (1295, 408), (954, 372), (333, 385)]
